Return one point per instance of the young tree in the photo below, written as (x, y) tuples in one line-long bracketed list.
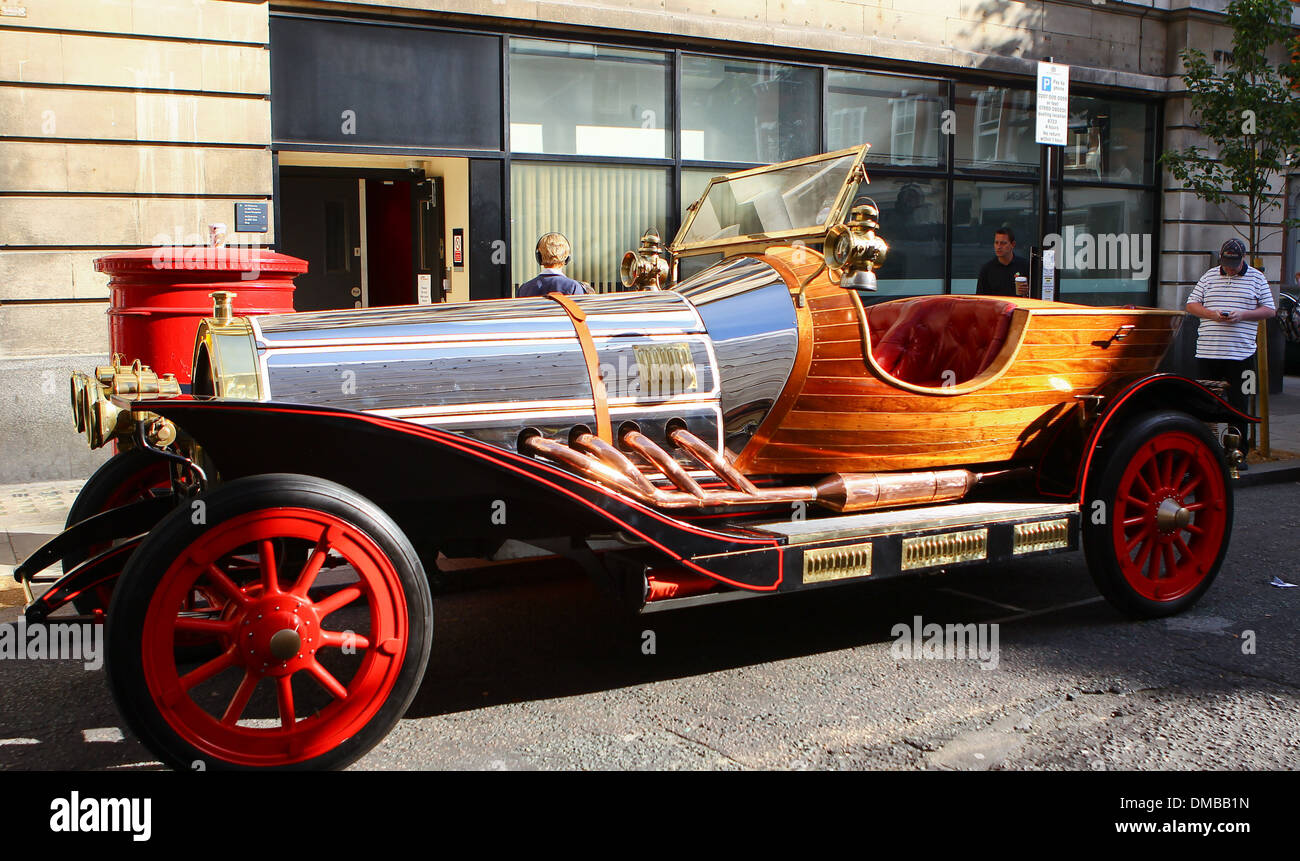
[(1250, 113)]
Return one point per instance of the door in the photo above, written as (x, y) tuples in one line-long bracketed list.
[(390, 242), (320, 221), (432, 275)]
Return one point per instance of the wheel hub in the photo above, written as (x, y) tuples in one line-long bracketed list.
[(1171, 516), (278, 635)]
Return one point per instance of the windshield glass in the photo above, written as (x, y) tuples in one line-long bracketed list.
[(793, 197)]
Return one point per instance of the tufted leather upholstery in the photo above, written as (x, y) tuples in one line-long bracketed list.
[(917, 340)]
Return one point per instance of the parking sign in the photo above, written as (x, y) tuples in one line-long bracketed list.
[(1053, 104)]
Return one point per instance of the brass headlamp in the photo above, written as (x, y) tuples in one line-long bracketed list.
[(854, 251), (96, 415), (645, 268)]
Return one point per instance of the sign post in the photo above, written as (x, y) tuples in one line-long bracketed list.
[(1052, 123)]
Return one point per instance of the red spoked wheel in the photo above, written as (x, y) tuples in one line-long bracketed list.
[(322, 620), (1160, 533), (124, 478)]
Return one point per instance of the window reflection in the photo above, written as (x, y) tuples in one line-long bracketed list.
[(899, 117), (995, 129), (1107, 140), (574, 99), (745, 111), (911, 221)]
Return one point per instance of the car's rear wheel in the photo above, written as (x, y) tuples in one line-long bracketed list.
[(1158, 515), (324, 628)]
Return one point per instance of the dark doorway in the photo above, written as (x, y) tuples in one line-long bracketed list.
[(320, 222), (390, 242)]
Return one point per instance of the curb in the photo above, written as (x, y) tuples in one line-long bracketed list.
[(1278, 473)]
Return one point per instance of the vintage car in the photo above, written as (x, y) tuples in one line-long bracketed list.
[(261, 545)]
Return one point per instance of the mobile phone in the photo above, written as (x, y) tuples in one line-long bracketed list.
[(1225, 314)]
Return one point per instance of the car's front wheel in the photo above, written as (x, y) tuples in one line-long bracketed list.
[(324, 628)]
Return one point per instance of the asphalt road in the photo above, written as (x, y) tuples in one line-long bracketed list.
[(537, 672)]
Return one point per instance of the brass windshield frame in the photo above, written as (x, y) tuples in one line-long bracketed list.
[(839, 209)]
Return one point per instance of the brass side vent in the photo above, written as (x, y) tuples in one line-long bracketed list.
[(928, 551), (1043, 535), (837, 563), (665, 369)]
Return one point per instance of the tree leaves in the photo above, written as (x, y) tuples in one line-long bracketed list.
[(1249, 111)]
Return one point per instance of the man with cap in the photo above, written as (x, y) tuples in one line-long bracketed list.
[(552, 254), (1229, 299)]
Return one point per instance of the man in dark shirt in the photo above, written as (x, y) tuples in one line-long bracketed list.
[(998, 276), (552, 254)]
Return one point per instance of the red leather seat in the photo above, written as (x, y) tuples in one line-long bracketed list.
[(939, 340)]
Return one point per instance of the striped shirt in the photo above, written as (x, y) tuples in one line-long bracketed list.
[(1219, 292)]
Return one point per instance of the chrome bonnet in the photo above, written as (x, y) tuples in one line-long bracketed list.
[(724, 342), (750, 317), (488, 369)]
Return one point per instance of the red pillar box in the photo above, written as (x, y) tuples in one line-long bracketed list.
[(159, 295)]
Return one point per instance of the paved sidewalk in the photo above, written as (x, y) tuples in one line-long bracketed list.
[(31, 514)]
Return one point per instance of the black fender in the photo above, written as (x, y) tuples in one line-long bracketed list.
[(1155, 393), (96, 571), (439, 485), (112, 525)]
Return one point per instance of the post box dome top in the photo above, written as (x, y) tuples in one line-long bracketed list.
[(199, 258)]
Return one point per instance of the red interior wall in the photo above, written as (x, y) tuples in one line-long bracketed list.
[(389, 243)]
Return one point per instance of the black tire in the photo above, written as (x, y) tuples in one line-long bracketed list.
[(190, 727), (1158, 474), (130, 470)]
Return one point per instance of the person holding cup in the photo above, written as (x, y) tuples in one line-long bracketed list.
[(1007, 274)]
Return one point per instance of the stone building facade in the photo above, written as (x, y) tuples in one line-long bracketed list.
[(130, 123)]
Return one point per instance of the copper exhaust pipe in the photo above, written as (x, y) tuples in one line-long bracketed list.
[(656, 456), (709, 457), (840, 492), (615, 459), (862, 491)]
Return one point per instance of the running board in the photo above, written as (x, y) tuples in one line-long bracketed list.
[(877, 545), (887, 543)]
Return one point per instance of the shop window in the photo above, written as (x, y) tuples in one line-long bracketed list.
[(601, 209), (1107, 249), (912, 222), (575, 99), (1108, 140), (979, 209), (900, 117), (995, 129), (746, 111)]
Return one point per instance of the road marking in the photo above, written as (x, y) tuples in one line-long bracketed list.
[(4, 741), (1045, 610), (986, 600), (108, 733)]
